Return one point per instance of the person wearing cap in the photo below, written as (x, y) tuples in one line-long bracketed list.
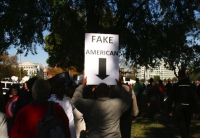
[(185, 101)]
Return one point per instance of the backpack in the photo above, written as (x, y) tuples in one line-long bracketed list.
[(50, 126)]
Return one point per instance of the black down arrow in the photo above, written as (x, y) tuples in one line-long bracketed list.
[(102, 68)]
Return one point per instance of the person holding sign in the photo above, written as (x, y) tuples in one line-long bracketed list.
[(102, 114), (126, 118)]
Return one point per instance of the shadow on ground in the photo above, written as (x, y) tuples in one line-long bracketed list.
[(164, 127)]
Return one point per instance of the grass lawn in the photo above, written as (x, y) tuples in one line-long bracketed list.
[(164, 127)]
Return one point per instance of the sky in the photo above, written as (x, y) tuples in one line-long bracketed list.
[(40, 57)]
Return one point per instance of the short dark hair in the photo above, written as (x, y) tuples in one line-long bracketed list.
[(30, 82), (15, 86), (58, 89), (41, 89), (160, 81), (102, 90), (151, 80)]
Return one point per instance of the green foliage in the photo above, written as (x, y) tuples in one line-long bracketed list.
[(194, 76), (165, 80), (19, 72), (9, 68), (156, 78), (148, 30), (142, 80), (175, 79), (131, 76), (53, 71)]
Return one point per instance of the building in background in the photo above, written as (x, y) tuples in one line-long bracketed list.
[(32, 68), (161, 71)]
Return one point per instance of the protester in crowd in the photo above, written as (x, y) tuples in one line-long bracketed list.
[(144, 85), (162, 90), (11, 96), (58, 95), (102, 114), (70, 87), (168, 87), (149, 85), (79, 123), (153, 100), (12, 92), (131, 113), (3, 126), (185, 101), (27, 118), (138, 90), (25, 95)]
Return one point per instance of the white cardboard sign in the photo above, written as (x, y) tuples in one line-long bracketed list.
[(101, 58)]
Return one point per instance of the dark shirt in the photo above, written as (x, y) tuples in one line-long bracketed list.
[(153, 94), (184, 93)]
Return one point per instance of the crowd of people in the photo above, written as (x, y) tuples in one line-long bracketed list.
[(94, 111)]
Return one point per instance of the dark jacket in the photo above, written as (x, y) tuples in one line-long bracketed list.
[(184, 93), (153, 94)]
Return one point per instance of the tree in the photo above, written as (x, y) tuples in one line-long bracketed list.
[(174, 79), (194, 76), (131, 76), (37, 75), (53, 71), (156, 78), (165, 80), (9, 67), (149, 30), (6, 64), (17, 71)]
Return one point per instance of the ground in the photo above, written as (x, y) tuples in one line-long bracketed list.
[(164, 127)]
